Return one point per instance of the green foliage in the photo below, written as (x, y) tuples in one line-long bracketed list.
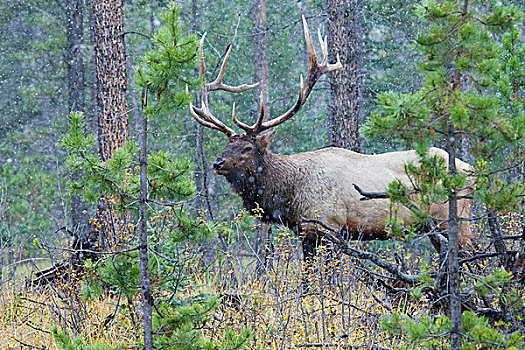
[(469, 84), (169, 176), (168, 69), (120, 273), (429, 331), (32, 79), (492, 286), (389, 31), (66, 342), (177, 319), (469, 93), (164, 72), (30, 192), (182, 322)]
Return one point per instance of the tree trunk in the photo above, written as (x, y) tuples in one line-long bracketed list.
[(345, 38), (260, 55), (76, 101), (497, 240), (145, 283), (519, 265), (110, 61), (75, 60), (454, 278), (202, 200), (263, 245), (110, 64)]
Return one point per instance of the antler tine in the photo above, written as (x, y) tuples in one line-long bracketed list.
[(203, 115), (256, 127), (243, 126), (324, 46), (315, 71), (217, 84), (196, 111), (312, 55)]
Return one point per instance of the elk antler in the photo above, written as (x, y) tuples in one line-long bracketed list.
[(203, 115), (315, 71)]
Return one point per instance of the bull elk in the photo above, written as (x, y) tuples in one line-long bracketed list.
[(314, 184)]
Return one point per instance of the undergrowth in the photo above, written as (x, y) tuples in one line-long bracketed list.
[(335, 303)]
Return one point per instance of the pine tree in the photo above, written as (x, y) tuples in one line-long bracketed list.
[(471, 96), (152, 183)]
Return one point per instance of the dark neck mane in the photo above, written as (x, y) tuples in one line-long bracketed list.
[(269, 185)]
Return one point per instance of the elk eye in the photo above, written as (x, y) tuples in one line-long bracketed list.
[(246, 150)]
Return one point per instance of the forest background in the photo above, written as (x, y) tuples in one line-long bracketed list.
[(37, 220)]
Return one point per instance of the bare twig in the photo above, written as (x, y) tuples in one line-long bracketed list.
[(374, 258)]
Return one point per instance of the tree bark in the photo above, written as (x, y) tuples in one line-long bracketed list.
[(110, 65), (110, 62), (454, 276), (203, 199), (345, 38), (497, 240), (263, 245)]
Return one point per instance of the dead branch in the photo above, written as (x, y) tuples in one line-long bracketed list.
[(370, 195), (486, 256), (345, 247)]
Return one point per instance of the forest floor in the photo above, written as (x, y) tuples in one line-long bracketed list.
[(332, 306), (336, 303)]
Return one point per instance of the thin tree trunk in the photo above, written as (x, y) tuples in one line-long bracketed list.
[(454, 277), (345, 38), (145, 283), (134, 112), (497, 240), (519, 265), (260, 55), (202, 200), (11, 264), (76, 101), (75, 60), (92, 82), (263, 244)]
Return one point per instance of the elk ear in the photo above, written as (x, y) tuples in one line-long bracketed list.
[(264, 139)]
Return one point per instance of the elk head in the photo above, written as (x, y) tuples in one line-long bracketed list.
[(244, 151)]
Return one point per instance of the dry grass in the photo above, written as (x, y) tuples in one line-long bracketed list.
[(27, 318), (331, 305), (276, 308)]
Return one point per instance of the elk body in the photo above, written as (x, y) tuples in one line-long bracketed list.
[(318, 185), (314, 184)]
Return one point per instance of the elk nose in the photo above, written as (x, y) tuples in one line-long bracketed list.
[(218, 164)]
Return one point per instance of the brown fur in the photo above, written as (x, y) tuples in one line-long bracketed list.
[(318, 184)]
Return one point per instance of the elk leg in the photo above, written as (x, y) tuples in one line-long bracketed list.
[(311, 241)]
